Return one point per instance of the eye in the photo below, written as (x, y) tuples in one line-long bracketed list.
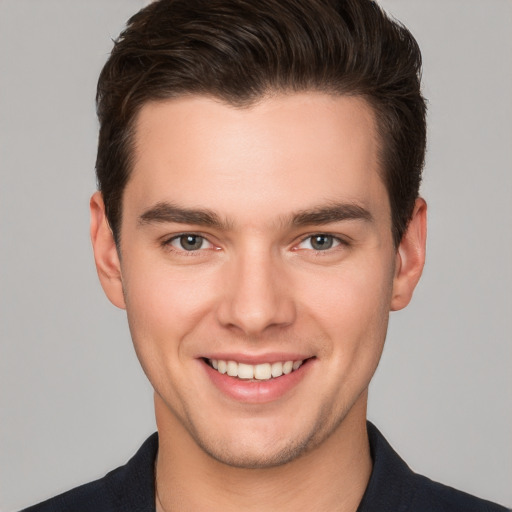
[(319, 242), (189, 242)]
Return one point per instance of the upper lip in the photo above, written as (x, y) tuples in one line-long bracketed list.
[(270, 357)]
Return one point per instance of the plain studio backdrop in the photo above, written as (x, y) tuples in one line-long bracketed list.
[(74, 402)]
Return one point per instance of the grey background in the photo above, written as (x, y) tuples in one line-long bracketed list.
[(73, 401)]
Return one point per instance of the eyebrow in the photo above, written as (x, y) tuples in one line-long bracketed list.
[(335, 212), (168, 212), (163, 212)]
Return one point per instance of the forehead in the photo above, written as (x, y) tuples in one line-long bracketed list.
[(281, 153)]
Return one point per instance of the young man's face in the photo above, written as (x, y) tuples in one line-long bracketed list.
[(256, 239)]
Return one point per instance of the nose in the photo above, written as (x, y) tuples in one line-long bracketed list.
[(257, 295)]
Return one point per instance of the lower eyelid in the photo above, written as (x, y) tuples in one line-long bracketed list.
[(169, 242), (336, 241)]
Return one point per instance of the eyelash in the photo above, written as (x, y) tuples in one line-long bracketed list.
[(167, 243), (339, 242)]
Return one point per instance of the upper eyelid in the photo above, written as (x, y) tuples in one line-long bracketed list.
[(336, 241), (166, 242), (344, 240), (174, 236)]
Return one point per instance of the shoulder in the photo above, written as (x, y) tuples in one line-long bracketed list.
[(127, 488), (394, 487), (88, 497), (430, 495)]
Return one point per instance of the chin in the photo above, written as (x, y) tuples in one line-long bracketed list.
[(253, 457), (263, 449)]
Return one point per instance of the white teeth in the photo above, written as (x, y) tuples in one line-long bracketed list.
[(245, 371), (287, 367), (232, 369), (277, 369), (222, 366), (263, 371)]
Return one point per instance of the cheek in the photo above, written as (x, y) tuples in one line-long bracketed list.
[(164, 308), (164, 303), (350, 306), (351, 314)]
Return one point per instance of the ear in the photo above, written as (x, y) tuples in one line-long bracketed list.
[(410, 257), (105, 252)]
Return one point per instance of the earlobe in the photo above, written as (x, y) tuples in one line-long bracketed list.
[(106, 256), (410, 257)]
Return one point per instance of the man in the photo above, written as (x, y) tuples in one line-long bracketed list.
[(258, 217)]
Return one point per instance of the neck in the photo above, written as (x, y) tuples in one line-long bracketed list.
[(331, 476)]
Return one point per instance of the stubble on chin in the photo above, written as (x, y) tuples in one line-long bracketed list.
[(278, 452)]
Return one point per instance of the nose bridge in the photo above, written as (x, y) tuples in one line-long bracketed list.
[(256, 296)]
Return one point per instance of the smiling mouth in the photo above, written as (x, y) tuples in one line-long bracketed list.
[(264, 371)]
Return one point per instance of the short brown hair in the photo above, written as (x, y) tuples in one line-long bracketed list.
[(239, 50)]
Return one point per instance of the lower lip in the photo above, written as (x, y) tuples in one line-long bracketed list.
[(256, 392)]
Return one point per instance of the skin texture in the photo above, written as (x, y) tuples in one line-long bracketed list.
[(256, 288)]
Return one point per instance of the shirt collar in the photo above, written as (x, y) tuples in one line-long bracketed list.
[(390, 486)]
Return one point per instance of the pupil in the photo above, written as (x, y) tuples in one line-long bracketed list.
[(322, 242), (191, 242)]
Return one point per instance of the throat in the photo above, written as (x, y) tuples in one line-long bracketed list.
[(188, 477), (213, 486)]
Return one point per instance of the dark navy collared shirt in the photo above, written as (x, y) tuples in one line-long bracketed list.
[(393, 487)]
